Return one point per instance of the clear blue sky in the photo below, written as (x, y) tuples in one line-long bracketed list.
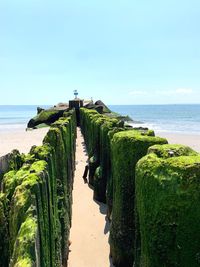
[(122, 51)]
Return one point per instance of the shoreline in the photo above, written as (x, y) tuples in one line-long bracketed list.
[(23, 140)]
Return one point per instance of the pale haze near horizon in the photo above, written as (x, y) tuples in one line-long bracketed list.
[(123, 52)]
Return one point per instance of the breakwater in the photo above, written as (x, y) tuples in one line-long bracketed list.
[(151, 189), (36, 199)]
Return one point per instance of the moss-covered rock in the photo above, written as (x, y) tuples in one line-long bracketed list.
[(93, 165), (47, 116), (61, 137), (47, 153), (11, 161), (104, 158), (127, 148), (95, 128), (25, 252), (109, 187), (37, 214), (168, 199), (4, 237), (30, 197)]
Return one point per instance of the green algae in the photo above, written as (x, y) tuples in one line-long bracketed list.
[(39, 198), (25, 253), (61, 136), (4, 237), (45, 117), (167, 191), (127, 148), (105, 158), (109, 186), (95, 128)]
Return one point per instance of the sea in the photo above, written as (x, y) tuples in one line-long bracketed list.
[(183, 119), (15, 118)]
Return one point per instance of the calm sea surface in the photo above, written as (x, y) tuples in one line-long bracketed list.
[(16, 117), (165, 118)]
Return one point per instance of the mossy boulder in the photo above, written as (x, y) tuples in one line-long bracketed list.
[(105, 109), (127, 148), (98, 106), (47, 117), (168, 200)]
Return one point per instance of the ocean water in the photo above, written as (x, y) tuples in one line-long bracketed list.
[(161, 118), (164, 118), (16, 117)]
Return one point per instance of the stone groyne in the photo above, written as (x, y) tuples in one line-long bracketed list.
[(36, 200), (151, 189)]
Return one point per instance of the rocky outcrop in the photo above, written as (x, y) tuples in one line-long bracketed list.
[(47, 117), (99, 106)]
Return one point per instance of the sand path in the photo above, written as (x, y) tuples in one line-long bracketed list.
[(90, 230)]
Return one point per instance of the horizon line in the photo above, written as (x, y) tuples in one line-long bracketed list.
[(154, 104)]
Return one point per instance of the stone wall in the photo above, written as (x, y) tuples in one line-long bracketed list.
[(36, 200), (152, 192)]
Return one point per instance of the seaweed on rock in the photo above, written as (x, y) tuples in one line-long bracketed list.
[(127, 148), (35, 215), (168, 199)]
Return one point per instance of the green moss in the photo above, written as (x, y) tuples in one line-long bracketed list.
[(4, 238), (62, 138), (167, 151), (25, 262), (108, 168), (97, 184), (16, 160), (95, 128), (45, 117), (168, 199), (104, 158), (42, 125), (127, 148), (9, 183), (25, 253), (31, 192), (47, 153), (40, 193), (93, 164)]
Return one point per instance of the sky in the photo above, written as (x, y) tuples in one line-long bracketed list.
[(122, 52)]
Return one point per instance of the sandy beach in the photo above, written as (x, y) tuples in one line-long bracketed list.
[(90, 230), (21, 140), (190, 140)]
